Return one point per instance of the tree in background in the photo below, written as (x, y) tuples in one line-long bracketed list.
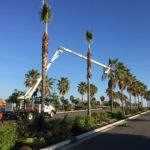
[(63, 86), (31, 78), (82, 88)]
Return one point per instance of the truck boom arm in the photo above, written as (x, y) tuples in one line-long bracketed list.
[(30, 92)]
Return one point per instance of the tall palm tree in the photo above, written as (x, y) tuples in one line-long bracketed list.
[(45, 18), (89, 39), (122, 77), (112, 80), (82, 88), (63, 86), (130, 81)]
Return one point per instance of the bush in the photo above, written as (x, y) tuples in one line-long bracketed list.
[(104, 116), (8, 136), (96, 116), (118, 115), (89, 123), (79, 122)]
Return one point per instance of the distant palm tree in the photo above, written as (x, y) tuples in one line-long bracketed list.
[(45, 18), (31, 78), (82, 88), (48, 85), (63, 86), (89, 39), (93, 90)]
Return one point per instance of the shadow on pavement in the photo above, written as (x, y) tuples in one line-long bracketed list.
[(108, 141), (139, 120)]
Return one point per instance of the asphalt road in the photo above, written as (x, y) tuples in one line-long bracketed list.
[(132, 135)]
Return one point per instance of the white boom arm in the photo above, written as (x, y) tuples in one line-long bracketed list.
[(84, 57), (30, 92)]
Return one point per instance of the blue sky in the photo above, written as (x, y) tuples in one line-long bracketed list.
[(121, 30)]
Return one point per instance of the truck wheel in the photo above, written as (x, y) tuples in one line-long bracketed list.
[(52, 114), (30, 116)]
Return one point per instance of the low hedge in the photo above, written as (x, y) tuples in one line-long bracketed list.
[(8, 136)]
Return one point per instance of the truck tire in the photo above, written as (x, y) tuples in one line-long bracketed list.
[(52, 114), (30, 116)]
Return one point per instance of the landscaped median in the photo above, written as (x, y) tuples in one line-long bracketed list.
[(56, 132), (103, 127)]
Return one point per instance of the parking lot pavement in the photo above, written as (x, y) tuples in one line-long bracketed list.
[(132, 135)]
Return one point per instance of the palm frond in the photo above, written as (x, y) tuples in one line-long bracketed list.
[(89, 36), (46, 13)]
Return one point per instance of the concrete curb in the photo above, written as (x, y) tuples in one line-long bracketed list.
[(81, 136)]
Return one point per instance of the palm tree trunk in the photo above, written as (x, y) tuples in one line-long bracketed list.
[(130, 102), (88, 80), (122, 102), (111, 100), (134, 102), (44, 67), (138, 102), (141, 101), (82, 99)]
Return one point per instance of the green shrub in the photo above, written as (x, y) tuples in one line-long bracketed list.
[(104, 116), (79, 122), (96, 116), (118, 115), (67, 107), (89, 123), (68, 122), (8, 136)]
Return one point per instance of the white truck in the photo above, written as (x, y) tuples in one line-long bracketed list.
[(49, 110), (14, 112)]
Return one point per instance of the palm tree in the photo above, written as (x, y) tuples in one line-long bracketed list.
[(112, 79), (122, 77), (147, 97), (102, 99), (31, 79), (82, 88), (89, 39), (45, 18), (63, 86), (131, 79), (93, 90)]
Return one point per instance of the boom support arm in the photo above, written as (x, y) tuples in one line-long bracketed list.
[(30, 92)]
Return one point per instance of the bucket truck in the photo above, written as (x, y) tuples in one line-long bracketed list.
[(49, 109)]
